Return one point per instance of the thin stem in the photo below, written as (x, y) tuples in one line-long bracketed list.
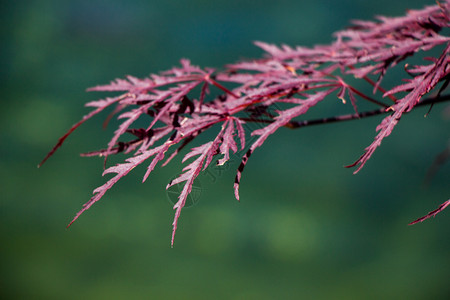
[(298, 124), (256, 120), (218, 85), (362, 95), (372, 83)]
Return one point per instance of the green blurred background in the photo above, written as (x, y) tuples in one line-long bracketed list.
[(305, 228)]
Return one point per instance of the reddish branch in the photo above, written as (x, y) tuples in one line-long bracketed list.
[(275, 92)]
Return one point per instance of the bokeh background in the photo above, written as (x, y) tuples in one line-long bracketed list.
[(305, 228)]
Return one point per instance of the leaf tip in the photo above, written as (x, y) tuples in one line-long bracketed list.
[(71, 222), (351, 165), (432, 213), (236, 191), (45, 158)]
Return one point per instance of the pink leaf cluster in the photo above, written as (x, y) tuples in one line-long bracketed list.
[(273, 91)]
